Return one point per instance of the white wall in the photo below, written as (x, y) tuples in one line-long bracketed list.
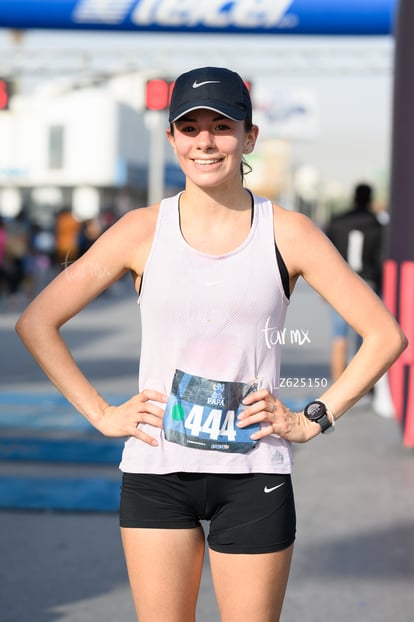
[(100, 134)]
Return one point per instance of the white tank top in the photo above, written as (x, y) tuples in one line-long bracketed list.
[(213, 316)]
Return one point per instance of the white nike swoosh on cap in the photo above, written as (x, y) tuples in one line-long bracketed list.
[(266, 489), (197, 84)]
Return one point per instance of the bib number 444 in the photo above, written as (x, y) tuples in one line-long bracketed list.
[(216, 424)]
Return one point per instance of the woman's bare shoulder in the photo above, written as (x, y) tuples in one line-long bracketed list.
[(126, 243), (290, 219), (301, 242), (137, 223), (293, 228)]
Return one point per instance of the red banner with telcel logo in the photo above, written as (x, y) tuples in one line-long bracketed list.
[(398, 293)]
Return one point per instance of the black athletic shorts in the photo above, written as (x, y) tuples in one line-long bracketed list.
[(248, 513)]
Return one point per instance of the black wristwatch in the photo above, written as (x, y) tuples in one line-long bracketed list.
[(318, 412)]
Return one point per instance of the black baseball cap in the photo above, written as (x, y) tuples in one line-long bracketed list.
[(215, 88)]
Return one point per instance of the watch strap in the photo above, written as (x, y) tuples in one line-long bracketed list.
[(327, 421)]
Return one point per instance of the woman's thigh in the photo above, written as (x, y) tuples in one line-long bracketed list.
[(164, 568), (250, 587), (251, 543)]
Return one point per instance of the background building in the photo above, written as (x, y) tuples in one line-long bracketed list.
[(78, 116)]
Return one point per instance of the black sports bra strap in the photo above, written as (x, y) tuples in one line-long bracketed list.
[(284, 274)]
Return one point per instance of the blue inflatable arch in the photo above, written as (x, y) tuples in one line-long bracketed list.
[(295, 17)]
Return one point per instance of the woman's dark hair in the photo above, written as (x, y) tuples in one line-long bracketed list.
[(245, 167)]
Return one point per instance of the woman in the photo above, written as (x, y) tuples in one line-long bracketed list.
[(208, 437)]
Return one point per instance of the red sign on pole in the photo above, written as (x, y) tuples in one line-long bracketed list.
[(157, 94)]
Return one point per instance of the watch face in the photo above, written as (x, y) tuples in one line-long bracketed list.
[(315, 410)]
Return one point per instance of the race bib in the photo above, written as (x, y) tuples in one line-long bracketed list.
[(203, 413)]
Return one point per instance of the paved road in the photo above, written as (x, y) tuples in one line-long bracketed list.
[(354, 555)]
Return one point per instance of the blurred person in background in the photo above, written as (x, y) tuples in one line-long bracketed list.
[(66, 238), (88, 233), (359, 234), (3, 243), (39, 265), (16, 259), (359, 237)]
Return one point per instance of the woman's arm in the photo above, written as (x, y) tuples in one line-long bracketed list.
[(315, 259), (307, 252), (124, 247)]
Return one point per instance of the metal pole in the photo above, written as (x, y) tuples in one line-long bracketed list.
[(156, 124)]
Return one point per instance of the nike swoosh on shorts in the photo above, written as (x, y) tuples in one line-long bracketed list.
[(267, 490)]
